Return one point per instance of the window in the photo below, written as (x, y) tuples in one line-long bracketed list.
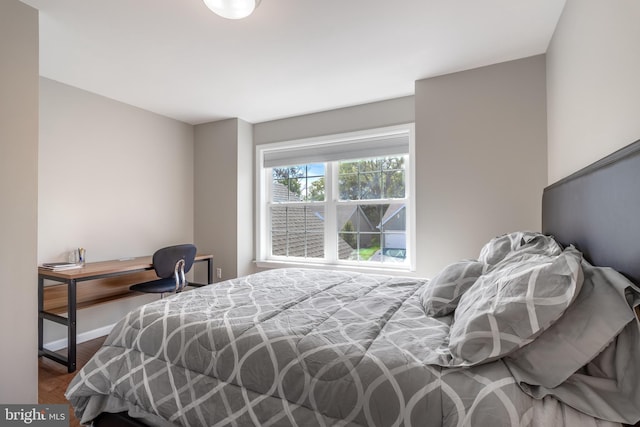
[(340, 200)]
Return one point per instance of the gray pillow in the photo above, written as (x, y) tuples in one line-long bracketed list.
[(441, 295), (518, 243), (595, 318), (513, 303)]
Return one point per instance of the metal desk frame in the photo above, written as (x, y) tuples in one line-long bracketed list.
[(91, 271)]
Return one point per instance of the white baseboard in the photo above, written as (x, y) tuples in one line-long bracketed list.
[(85, 336)]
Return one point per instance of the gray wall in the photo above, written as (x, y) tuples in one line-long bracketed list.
[(350, 119), (224, 195), (593, 83), (19, 195), (114, 179), (480, 158), (245, 202), (480, 153)]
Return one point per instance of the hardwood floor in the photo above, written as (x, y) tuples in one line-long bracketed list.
[(53, 378)]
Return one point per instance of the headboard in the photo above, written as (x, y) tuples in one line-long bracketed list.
[(598, 210)]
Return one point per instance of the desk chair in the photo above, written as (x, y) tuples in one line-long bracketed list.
[(171, 264)]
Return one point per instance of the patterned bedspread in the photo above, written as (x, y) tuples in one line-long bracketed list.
[(294, 347)]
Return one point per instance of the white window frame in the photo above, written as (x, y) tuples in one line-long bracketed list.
[(264, 259)]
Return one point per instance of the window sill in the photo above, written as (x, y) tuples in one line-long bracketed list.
[(269, 264)]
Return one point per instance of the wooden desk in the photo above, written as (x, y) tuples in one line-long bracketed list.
[(91, 271)]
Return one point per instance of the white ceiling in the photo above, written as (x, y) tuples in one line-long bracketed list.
[(291, 57)]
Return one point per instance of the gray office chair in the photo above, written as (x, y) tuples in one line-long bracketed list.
[(171, 264)]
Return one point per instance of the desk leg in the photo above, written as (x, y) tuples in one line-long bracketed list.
[(209, 271), (71, 327), (40, 318)]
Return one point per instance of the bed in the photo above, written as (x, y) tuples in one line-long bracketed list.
[(534, 332)]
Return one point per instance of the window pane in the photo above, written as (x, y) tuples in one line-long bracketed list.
[(298, 183), (394, 237), (394, 248), (315, 245), (297, 171), (279, 243), (315, 169), (348, 167), (394, 217), (315, 219), (369, 233), (297, 231), (296, 189), (296, 243), (285, 184), (295, 218), (372, 179), (369, 249), (370, 186), (348, 246), (393, 184), (279, 218), (280, 190), (372, 215), (315, 189), (349, 186), (370, 165), (393, 163)]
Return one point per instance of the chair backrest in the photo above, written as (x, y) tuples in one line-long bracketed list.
[(165, 259)]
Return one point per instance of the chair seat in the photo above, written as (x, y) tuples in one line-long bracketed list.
[(159, 286)]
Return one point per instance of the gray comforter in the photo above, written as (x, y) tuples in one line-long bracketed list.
[(295, 347)]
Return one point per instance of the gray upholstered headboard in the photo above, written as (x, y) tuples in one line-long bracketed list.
[(598, 210)]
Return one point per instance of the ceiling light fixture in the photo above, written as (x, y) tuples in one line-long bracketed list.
[(232, 9)]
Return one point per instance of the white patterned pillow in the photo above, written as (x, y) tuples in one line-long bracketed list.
[(503, 247), (513, 303), (441, 295)]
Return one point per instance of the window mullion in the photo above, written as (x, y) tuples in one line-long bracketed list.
[(265, 224), (330, 232)]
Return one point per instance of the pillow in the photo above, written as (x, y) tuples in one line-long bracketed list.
[(596, 317), (441, 295), (518, 243), (507, 307)]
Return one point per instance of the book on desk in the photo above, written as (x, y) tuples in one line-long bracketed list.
[(60, 266)]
